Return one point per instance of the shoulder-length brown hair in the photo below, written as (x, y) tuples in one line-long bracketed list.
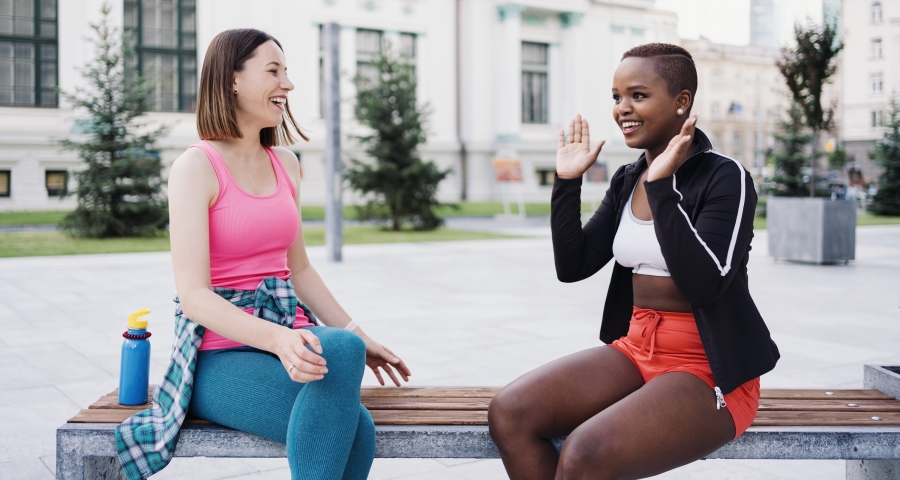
[(216, 104)]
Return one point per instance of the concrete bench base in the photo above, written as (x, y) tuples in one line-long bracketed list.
[(87, 451)]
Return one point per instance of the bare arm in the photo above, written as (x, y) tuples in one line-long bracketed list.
[(311, 289), (193, 187)]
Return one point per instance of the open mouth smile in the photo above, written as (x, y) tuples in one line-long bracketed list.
[(630, 127), (279, 102)]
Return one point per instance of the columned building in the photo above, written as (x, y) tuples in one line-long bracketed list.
[(870, 73), (500, 79)]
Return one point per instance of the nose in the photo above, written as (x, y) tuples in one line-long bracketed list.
[(286, 83)]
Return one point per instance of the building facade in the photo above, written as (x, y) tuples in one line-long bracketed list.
[(740, 97), (870, 76), (500, 79)]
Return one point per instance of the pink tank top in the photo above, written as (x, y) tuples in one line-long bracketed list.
[(249, 236)]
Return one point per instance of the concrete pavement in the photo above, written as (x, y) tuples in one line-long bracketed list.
[(459, 313)]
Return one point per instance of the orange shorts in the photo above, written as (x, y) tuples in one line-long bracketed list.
[(663, 342)]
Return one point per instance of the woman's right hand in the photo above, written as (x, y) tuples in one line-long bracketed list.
[(574, 155), (301, 363)]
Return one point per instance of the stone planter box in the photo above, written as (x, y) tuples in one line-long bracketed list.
[(815, 230)]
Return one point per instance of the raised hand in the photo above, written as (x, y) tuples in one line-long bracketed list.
[(574, 155), (667, 163)]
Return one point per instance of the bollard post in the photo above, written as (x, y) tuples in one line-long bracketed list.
[(334, 209)]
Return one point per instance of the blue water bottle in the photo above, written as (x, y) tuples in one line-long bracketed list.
[(134, 375)]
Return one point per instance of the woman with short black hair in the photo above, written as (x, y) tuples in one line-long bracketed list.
[(680, 376)]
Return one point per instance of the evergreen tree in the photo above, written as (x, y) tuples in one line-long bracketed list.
[(399, 186), (119, 190), (791, 156), (806, 69), (887, 154)]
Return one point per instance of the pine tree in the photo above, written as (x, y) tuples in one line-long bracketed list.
[(119, 190), (806, 69), (887, 154), (399, 186), (791, 156)]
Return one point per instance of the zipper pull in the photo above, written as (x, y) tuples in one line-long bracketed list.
[(720, 399)]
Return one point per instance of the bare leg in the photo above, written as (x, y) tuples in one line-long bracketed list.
[(553, 400), (669, 422)]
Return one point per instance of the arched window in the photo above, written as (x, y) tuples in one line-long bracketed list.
[(876, 12)]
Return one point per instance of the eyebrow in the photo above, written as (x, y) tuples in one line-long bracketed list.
[(633, 87), (276, 63)]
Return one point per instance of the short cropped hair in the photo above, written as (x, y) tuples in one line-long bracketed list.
[(673, 63), (216, 103)]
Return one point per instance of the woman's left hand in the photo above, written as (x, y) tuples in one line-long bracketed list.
[(380, 357), (667, 163)]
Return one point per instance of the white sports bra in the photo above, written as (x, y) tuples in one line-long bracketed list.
[(636, 245)]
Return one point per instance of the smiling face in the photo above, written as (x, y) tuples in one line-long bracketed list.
[(262, 87), (644, 109)]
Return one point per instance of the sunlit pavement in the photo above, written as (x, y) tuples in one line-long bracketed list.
[(459, 313)]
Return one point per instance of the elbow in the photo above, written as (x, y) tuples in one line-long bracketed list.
[(190, 303), (568, 277)]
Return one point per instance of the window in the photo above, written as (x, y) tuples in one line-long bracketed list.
[(715, 83), (876, 118), (368, 46), (877, 82), (737, 84), (56, 181), (407, 45), (737, 142), (28, 44), (164, 36), (544, 176), (5, 182), (534, 82), (715, 111), (876, 15), (875, 48)]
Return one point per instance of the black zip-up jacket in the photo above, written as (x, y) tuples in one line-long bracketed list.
[(703, 218)]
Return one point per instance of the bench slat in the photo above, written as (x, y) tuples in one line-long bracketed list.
[(796, 394), (425, 403), (429, 417), (442, 392), (830, 405), (826, 419)]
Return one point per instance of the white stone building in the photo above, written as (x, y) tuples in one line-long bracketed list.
[(525, 68), (740, 96), (870, 75)]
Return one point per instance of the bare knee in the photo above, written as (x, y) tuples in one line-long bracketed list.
[(507, 414), (586, 456)]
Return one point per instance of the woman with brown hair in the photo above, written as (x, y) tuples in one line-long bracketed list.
[(247, 354), (680, 376)]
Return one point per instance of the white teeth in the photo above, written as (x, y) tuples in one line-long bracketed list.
[(630, 124)]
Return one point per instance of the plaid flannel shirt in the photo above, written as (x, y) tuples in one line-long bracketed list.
[(145, 442)]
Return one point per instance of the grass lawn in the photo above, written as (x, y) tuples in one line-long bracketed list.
[(28, 244), (862, 220), (466, 209), (44, 217)]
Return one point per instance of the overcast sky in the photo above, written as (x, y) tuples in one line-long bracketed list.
[(728, 21)]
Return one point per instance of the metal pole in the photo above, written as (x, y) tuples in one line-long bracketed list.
[(334, 210)]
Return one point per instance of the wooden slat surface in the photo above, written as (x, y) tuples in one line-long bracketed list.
[(791, 394), (468, 406), (441, 392)]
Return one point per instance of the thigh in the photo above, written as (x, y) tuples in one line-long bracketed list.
[(245, 389), (669, 422), (557, 397)]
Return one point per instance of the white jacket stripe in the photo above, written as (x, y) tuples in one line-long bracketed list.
[(723, 269)]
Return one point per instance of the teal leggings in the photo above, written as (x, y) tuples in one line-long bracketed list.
[(328, 433)]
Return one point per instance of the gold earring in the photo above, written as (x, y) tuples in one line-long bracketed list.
[(679, 112)]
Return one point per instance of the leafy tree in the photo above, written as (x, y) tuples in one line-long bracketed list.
[(887, 154), (119, 188), (806, 68), (791, 156), (400, 187)]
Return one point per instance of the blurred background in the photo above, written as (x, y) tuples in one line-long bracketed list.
[(500, 78)]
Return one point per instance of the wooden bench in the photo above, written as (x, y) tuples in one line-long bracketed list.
[(860, 426)]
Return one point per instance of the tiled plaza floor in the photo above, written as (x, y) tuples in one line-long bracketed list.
[(460, 313)]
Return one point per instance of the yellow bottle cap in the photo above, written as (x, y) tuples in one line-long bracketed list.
[(136, 320)]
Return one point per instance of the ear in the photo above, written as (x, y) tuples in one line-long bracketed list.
[(684, 100)]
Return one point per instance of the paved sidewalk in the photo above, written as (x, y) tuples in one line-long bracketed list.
[(459, 313)]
